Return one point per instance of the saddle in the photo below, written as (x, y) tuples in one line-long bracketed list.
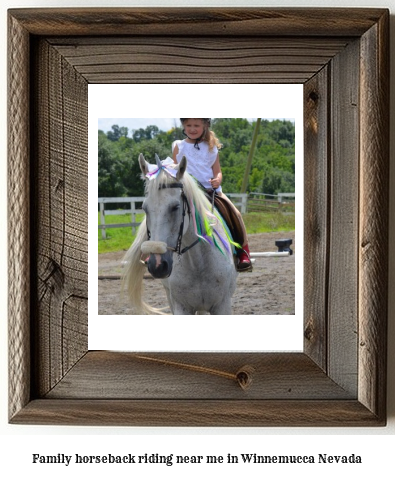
[(228, 215)]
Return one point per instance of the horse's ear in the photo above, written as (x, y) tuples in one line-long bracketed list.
[(143, 164), (181, 168), (158, 161)]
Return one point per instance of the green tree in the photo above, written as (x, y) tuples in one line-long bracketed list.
[(273, 165), (278, 181), (109, 167), (275, 149), (150, 132), (117, 132)]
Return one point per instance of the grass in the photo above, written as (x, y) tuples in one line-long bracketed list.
[(258, 222), (120, 239)]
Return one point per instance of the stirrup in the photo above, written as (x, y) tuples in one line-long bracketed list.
[(244, 269)]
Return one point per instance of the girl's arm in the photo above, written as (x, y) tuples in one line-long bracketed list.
[(175, 152), (217, 174)]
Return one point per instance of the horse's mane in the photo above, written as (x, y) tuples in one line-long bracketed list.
[(208, 224), (201, 215), (191, 188)]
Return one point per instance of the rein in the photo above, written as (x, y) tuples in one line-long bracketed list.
[(185, 208)]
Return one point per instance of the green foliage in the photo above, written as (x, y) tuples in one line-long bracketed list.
[(274, 154), (278, 181), (117, 133), (272, 169)]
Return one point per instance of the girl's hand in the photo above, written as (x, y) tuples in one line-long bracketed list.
[(217, 173), (215, 183)]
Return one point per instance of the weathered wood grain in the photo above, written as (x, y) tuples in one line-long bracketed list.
[(223, 60), (343, 223), (201, 413), (316, 214), (373, 226), (60, 197), (262, 22), (18, 222), (204, 375)]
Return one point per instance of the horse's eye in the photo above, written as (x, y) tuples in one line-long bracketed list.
[(175, 208)]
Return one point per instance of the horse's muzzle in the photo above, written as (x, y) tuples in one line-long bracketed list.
[(160, 265)]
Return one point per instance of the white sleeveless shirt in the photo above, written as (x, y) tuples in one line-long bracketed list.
[(200, 162)]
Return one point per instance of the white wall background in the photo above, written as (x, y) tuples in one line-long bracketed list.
[(19, 442)]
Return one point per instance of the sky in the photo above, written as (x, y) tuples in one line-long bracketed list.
[(164, 124)]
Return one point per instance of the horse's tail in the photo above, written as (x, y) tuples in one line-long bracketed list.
[(133, 272)]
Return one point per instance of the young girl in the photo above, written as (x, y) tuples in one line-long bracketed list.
[(201, 148)]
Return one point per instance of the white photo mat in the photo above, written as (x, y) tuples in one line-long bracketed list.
[(201, 333)]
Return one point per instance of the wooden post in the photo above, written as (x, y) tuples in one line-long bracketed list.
[(133, 216), (250, 156), (244, 204), (102, 221)]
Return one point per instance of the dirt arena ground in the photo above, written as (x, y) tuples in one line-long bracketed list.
[(268, 290)]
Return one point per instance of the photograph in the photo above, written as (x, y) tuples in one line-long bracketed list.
[(222, 242)]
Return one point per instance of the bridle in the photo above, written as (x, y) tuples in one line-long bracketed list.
[(185, 209)]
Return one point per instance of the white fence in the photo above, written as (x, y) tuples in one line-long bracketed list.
[(280, 197), (261, 202), (117, 212), (240, 202)]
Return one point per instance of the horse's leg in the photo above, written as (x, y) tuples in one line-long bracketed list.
[(182, 309), (167, 290), (223, 308)]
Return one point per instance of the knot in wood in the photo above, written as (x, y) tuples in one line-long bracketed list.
[(244, 376), (313, 96), (308, 332)]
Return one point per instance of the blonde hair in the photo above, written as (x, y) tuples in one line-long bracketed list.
[(209, 135), (212, 140)]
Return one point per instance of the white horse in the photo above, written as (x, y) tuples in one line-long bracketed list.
[(188, 245)]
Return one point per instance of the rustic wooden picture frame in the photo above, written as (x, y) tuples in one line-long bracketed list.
[(342, 58)]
